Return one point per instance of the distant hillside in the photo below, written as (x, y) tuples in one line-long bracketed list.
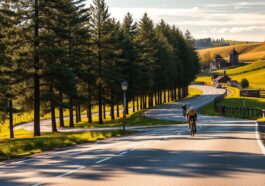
[(248, 52), (256, 78), (246, 68)]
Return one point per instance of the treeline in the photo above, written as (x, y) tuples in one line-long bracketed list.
[(62, 55), (210, 43)]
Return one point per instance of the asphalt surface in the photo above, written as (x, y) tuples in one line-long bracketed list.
[(224, 152)]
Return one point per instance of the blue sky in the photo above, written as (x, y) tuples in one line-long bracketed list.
[(230, 19)]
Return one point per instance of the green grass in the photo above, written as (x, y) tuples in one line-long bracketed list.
[(136, 119), (193, 92), (205, 78), (246, 68), (26, 146), (256, 78), (234, 100)]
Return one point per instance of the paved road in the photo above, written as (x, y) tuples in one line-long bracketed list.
[(225, 152)]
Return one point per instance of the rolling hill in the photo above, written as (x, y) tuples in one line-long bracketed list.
[(248, 52), (260, 64), (254, 72)]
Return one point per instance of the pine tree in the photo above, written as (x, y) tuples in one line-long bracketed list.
[(9, 48), (146, 44), (129, 29), (100, 19)]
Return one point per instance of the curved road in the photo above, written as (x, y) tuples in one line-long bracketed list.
[(225, 152)]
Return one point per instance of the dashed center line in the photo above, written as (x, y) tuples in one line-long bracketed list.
[(122, 153), (100, 161), (71, 172)]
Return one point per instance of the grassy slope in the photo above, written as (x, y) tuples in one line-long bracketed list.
[(246, 68), (254, 72), (256, 78), (248, 52), (235, 100)]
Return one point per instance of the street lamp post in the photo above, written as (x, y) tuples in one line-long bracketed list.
[(124, 87)]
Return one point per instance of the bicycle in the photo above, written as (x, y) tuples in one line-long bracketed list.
[(193, 126)]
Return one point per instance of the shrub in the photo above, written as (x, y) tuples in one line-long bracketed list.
[(244, 83)]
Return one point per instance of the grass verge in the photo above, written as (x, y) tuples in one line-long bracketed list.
[(27, 146), (234, 100)]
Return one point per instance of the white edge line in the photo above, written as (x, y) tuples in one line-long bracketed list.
[(100, 161), (260, 144)]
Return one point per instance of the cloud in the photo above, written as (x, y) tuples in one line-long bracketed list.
[(237, 6), (194, 16), (234, 30)]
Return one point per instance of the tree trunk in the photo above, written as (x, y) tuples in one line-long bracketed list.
[(61, 109), (36, 73), (100, 119), (89, 109), (141, 102), (187, 91), (127, 106), (54, 127), (112, 106), (104, 107), (137, 103), (145, 106), (149, 100), (165, 96), (160, 97), (179, 93), (79, 113), (76, 114), (174, 94), (183, 92), (133, 101), (71, 113), (11, 121), (168, 96), (118, 110)]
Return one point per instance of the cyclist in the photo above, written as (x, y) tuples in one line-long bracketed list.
[(192, 115), (184, 110)]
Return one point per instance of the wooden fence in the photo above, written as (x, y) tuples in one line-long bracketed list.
[(239, 112), (259, 93)]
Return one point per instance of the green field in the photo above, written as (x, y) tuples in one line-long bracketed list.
[(248, 52), (260, 64), (254, 72), (256, 78), (234, 100)]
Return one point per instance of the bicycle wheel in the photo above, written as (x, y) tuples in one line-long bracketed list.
[(192, 128)]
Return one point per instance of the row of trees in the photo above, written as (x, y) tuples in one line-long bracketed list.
[(61, 54)]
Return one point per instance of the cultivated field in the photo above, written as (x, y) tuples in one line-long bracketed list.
[(248, 52)]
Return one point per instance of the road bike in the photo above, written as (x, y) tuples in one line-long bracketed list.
[(193, 126)]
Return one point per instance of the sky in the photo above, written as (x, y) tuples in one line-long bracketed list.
[(228, 19)]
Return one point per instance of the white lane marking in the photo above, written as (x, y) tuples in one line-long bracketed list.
[(260, 144), (38, 184), (133, 149), (100, 161), (63, 175), (71, 172), (122, 153)]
